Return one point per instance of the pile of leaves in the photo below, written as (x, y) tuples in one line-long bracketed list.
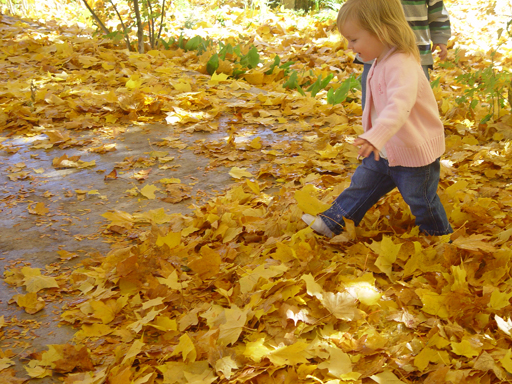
[(241, 290)]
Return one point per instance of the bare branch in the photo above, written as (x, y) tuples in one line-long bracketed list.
[(151, 22), (125, 30), (161, 23), (96, 18)]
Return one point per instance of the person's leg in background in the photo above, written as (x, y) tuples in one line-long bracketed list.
[(425, 69), (364, 77)]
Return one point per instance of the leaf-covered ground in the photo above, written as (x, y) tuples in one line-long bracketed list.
[(241, 290)]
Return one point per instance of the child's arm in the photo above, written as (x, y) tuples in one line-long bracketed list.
[(439, 26), (443, 50), (366, 148)]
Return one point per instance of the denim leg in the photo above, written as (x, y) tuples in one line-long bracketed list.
[(418, 187), (364, 78), (425, 70), (370, 182)]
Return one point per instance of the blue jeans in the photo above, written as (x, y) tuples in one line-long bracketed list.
[(373, 179), (364, 77)]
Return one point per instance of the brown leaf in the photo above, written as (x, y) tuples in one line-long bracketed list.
[(74, 359)]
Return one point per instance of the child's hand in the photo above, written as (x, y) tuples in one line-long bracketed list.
[(366, 148), (443, 50)]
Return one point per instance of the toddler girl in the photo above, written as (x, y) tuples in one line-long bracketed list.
[(403, 135)]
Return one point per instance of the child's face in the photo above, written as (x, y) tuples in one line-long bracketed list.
[(363, 42)]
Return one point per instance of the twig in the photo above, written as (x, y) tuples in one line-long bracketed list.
[(161, 23), (125, 30), (96, 18)]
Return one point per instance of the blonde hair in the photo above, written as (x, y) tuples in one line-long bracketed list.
[(383, 18)]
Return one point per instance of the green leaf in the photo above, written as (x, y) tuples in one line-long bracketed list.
[(340, 95), (319, 84), (213, 64), (292, 81), (251, 60), (253, 57), (277, 61), (435, 83), (193, 43), (286, 67), (226, 50)]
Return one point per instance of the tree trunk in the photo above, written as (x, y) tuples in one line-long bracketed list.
[(140, 28)]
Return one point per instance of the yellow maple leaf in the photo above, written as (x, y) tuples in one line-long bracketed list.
[(294, 354), (119, 218), (256, 350), (226, 365), (102, 311), (254, 186), (172, 240), (459, 276), (208, 264), (430, 355), (30, 302), (5, 363), (465, 348), (182, 86), (387, 251), (338, 364), (313, 288), (134, 82), (156, 216), (433, 303), (186, 348), (249, 280), (134, 350), (238, 173), (38, 372), (38, 209), (93, 330), (329, 152), (474, 242), (218, 78), (308, 202), (342, 305), (386, 377), (164, 324), (256, 143), (499, 299), (506, 361), (363, 288), (172, 281), (235, 322), (137, 325), (34, 281), (148, 191)]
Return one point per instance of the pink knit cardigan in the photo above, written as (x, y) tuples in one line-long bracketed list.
[(408, 123)]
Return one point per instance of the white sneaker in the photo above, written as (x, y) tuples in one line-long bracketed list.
[(317, 224)]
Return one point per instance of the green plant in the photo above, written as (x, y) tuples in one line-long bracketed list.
[(245, 61), (488, 86), (341, 94), (293, 83), (319, 84)]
